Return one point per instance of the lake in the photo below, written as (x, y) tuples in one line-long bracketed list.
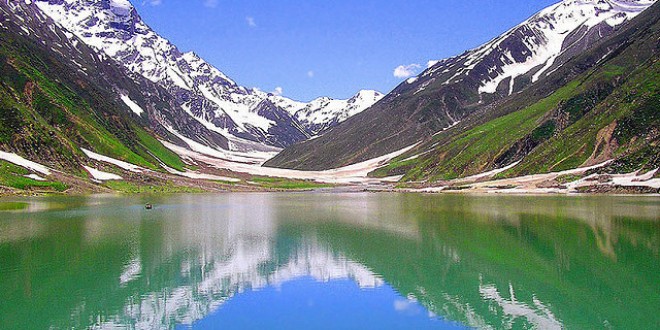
[(328, 261)]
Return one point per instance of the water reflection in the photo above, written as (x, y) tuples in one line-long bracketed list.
[(486, 262), (538, 316)]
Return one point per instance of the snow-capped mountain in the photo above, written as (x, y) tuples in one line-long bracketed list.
[(536, 47), (323, 113), (112, 90), (449, 91), (244, 116)]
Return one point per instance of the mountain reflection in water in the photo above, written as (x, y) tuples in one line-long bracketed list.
[(481, 261)]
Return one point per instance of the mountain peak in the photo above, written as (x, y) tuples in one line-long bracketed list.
[(244, 116), (368, 93), (121, 7), (537, 46), (453, 90)]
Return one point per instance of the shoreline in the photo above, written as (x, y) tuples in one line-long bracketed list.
[(4, 194), (213, 178)]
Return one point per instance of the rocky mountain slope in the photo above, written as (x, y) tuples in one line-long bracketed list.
[(324, 113), (242, 115), (63, 106), (74, 119), (453, 90), (599, 109)]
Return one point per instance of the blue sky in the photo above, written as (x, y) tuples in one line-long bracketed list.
[(305, 303), (329, 48)]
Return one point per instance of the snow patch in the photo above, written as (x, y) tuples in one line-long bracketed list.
[(636, 180), (633, 179), (252, 157), (124, 165), (177, 78), (429, 190), (121, 7), (550, 28), (448, 127), (356, 173), (100, 175), (492, 173), (202, 176), (242, 114), (132, 105), (325, 110), (22, 162), (34, 177)]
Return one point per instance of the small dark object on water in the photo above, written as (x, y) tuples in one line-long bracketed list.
[(148, 206)]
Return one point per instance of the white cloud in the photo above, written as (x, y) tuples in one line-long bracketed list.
[(250, 22), (406, 71), (405, 306), (152, 2), (310, 74), (278, 91), (210, 3)]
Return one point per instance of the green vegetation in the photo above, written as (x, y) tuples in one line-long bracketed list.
[(396, 167), (567, 178), (48, 108), (10, 76), (608, 112), (473, 150), (579, 105), (105, 143), (12, 206), (647, 158), (600, 105), (158, 150), (578, 142), (613, 71), (51, 113), (543, 132), (288, 184), (11, 122), (14, 176), (134, 188), (58, 118), (457, 188), (637, 123)]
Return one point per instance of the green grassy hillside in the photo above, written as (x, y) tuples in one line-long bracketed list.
[(610, 111), (51, 106)]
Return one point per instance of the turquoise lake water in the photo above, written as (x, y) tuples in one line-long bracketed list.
[(330, 261)]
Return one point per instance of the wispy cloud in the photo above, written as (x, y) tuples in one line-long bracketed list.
[(406, 71), (210, 3), (278, 91), (310, 74), (251, 22), (152, 2)]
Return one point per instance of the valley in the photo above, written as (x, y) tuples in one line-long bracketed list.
[(104, 103), (512, 185)]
